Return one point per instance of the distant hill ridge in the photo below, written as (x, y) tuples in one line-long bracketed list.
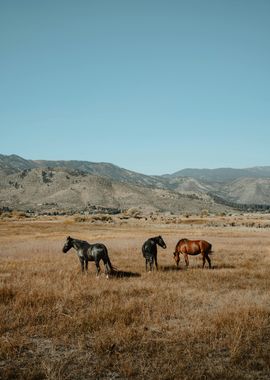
[(224, 174), (14, 163), (77, 184)]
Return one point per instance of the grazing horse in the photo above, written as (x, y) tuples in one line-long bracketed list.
[(149, 250), (193, 248), (89, 252)]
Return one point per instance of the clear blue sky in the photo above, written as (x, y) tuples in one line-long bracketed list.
[(152, 86)]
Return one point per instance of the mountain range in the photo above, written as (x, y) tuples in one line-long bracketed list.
[(42, 185)]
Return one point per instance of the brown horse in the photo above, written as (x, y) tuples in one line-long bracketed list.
[(193, 248)]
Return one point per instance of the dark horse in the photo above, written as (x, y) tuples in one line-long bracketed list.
[(149, 250), (192, 247), (89, 252)]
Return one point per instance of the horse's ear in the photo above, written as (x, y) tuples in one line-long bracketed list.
[(68, 237)]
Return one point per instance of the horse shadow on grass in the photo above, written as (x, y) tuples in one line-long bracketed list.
[(224, 266), (169, 268), (214, 267), (124, 274)]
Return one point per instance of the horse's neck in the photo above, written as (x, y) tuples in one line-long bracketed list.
[(78, 244)]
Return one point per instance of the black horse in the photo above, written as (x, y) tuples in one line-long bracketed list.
[(149, 250), (89, 252)]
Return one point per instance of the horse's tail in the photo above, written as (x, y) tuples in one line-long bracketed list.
[(210, 251), (109, 264), (112, 268)]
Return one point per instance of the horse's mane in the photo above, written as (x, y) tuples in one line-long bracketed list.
[(83, 241), (80, 241), (182, 241)]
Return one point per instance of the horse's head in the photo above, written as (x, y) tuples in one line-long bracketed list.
[(68, 244), (176, 257), (161, 242)]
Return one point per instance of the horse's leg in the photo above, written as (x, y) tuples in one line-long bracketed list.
[(155, 258), (146, 264), (82, 263), (97, 267), (186, 259), (106, 270), (203, 259), (86, 265), (151, 264), (208, 260)]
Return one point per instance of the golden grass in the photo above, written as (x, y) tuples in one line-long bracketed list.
[(172, 324)]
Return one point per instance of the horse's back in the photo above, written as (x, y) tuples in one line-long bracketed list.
[(98, 251), (99, 246), (193, 247)]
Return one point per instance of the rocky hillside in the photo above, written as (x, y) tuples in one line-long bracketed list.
[(77, 185), (70, 190), (248, 191), (15, 164)]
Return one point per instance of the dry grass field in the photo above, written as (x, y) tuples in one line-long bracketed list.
[(194, 323)]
